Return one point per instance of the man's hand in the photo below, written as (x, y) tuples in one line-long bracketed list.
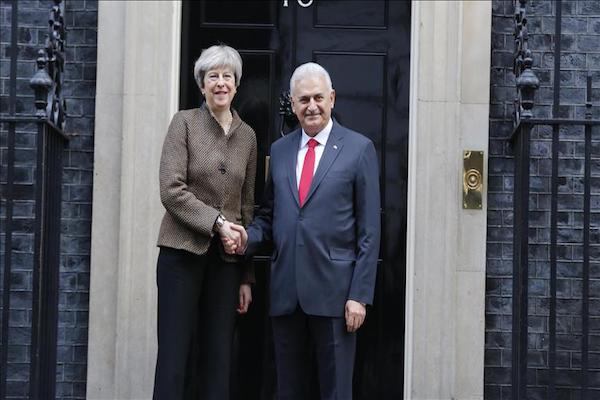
[(355, 315), (235, 241), (241, 249), (231, 238), (245, 298)]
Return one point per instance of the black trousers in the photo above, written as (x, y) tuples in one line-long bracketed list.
[(334, 350), (197, 299)]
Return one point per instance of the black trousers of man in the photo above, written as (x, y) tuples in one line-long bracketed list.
[(334, 351)]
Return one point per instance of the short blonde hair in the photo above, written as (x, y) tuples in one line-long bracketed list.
[(218, 56)]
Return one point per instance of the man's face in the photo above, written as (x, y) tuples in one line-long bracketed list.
[(312, 102)]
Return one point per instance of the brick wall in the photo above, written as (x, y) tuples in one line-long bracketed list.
[(81, 23), (580, 52)]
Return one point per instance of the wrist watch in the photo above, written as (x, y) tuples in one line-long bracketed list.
[(220, 222)]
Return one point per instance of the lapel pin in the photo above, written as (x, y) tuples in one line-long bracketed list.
[(335, 146)]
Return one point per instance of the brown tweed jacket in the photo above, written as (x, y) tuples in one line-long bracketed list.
[(204, 172)]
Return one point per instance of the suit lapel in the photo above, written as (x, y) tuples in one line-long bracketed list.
[(292, 158), (332, 150)]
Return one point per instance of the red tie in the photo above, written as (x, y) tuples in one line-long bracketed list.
[(307, 171)]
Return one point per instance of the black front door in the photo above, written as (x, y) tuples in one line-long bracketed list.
[(365, 46)]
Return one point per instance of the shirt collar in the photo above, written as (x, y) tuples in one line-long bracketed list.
[(320, 137)]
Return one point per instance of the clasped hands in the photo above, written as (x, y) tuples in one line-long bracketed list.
[(234, 238)]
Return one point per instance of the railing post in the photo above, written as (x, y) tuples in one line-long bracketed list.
[(41, 84), (50, 108), (8, 207), (526, 84), (47, 82), (520, 263), (527, 81)]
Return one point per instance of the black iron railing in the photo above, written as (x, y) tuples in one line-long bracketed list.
[(47, 125), (548, 377)]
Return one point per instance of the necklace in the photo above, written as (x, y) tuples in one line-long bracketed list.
[(226, 123)]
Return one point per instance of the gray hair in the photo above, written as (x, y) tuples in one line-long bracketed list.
[(309, 69), (218, 56)]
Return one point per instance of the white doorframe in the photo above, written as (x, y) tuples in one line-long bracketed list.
[(445, 266), (136, 95)]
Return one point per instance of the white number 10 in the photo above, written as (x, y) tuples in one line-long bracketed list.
[(300, 3)]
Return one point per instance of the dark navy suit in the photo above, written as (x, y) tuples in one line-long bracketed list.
[(324, 253)]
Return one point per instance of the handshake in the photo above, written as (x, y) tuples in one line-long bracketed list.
[(234, 238)]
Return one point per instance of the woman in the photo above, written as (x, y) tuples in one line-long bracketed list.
[(207, 174)]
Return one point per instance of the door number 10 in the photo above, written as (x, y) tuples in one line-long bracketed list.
[(301, 3)]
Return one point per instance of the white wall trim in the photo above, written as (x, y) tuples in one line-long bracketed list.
[(411, 198), (137, 94), (445, 261)]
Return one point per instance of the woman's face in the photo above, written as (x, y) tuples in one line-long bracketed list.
[(219, 88)]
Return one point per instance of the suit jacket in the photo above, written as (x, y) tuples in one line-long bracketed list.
[(326, 251), (204, 173)]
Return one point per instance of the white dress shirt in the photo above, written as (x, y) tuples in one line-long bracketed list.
[(320, 137)]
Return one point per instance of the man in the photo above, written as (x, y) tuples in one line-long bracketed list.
[(322, 213)]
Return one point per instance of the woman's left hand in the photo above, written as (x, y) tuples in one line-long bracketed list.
[(245, 298)]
